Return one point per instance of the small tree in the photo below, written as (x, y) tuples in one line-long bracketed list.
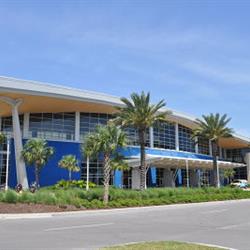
[(36, 153), (229, 174), (70, 163), (105, 141)]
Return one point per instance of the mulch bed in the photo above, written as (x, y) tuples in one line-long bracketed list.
[(7, 208)]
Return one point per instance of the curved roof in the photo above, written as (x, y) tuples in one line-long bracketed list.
[(45, 97), (8, 84), (35, 88)]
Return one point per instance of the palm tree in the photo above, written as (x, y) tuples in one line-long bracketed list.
[(140, 114), (229, 174), (213, 127), (36, 152), (105, 141), (70, 163)]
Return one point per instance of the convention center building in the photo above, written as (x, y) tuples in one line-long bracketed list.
[(64, 116)]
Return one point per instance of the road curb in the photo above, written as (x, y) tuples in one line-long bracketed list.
[(101, 211)]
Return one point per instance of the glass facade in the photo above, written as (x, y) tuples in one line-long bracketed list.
[(6, 125), (234, 155), (89, 121), (186, 143), (95, 172), (127, 178), (133, 136), (3, 162), (205, 178), (59, 126), (203, 146), (164, 135)]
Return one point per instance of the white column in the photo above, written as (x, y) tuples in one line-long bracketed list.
[(20, 165), (247, 160), (168, 178), (26, 122), (210, 148), (151, 137), (177, 137), (136, 178), (187, 173), (220, 152), (87, 181), (77, 126), (196, 145), (194, 178)]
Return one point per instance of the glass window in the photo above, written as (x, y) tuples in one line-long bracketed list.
[(89, 121), (234, 155), (203, 146), (95, 172), (59, 126), (7, 126), (164, 135), (133, 136), (186, 143)]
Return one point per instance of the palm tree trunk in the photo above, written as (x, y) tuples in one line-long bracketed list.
[(37, 176), (142, 159), (215, 164), (69, 175), (106, 179)]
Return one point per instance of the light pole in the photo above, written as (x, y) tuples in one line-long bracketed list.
[(218, 173), (87, 181)]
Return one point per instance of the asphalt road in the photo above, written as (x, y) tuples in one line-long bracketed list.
[(220, 223)]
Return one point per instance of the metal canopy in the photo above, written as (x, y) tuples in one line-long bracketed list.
[(176, 162)]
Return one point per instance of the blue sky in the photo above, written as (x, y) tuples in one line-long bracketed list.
[(193, 54)]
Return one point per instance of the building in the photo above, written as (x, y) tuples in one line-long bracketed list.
[(63, 116)]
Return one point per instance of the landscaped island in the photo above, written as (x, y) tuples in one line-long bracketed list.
[(77, 198), (168, 245)]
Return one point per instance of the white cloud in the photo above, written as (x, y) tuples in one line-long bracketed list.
[(232, 75)]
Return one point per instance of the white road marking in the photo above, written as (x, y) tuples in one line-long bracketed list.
[(215, 211), (76, 227), (234, 226)]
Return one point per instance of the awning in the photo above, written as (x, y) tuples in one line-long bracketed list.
[(178, 162)]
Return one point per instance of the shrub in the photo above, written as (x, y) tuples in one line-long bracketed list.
[(121, 197), (26, 197), (73, 184), (10, 196)]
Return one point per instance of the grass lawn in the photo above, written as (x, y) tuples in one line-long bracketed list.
[(92, 199), (162, 245)]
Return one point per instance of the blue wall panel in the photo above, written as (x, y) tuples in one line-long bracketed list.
[(12, 166), (50, 173), (118, 179), (152, 172)]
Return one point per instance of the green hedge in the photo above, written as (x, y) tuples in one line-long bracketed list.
[(123, 198)]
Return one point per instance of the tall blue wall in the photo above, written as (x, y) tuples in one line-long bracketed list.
[(50, 173)]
